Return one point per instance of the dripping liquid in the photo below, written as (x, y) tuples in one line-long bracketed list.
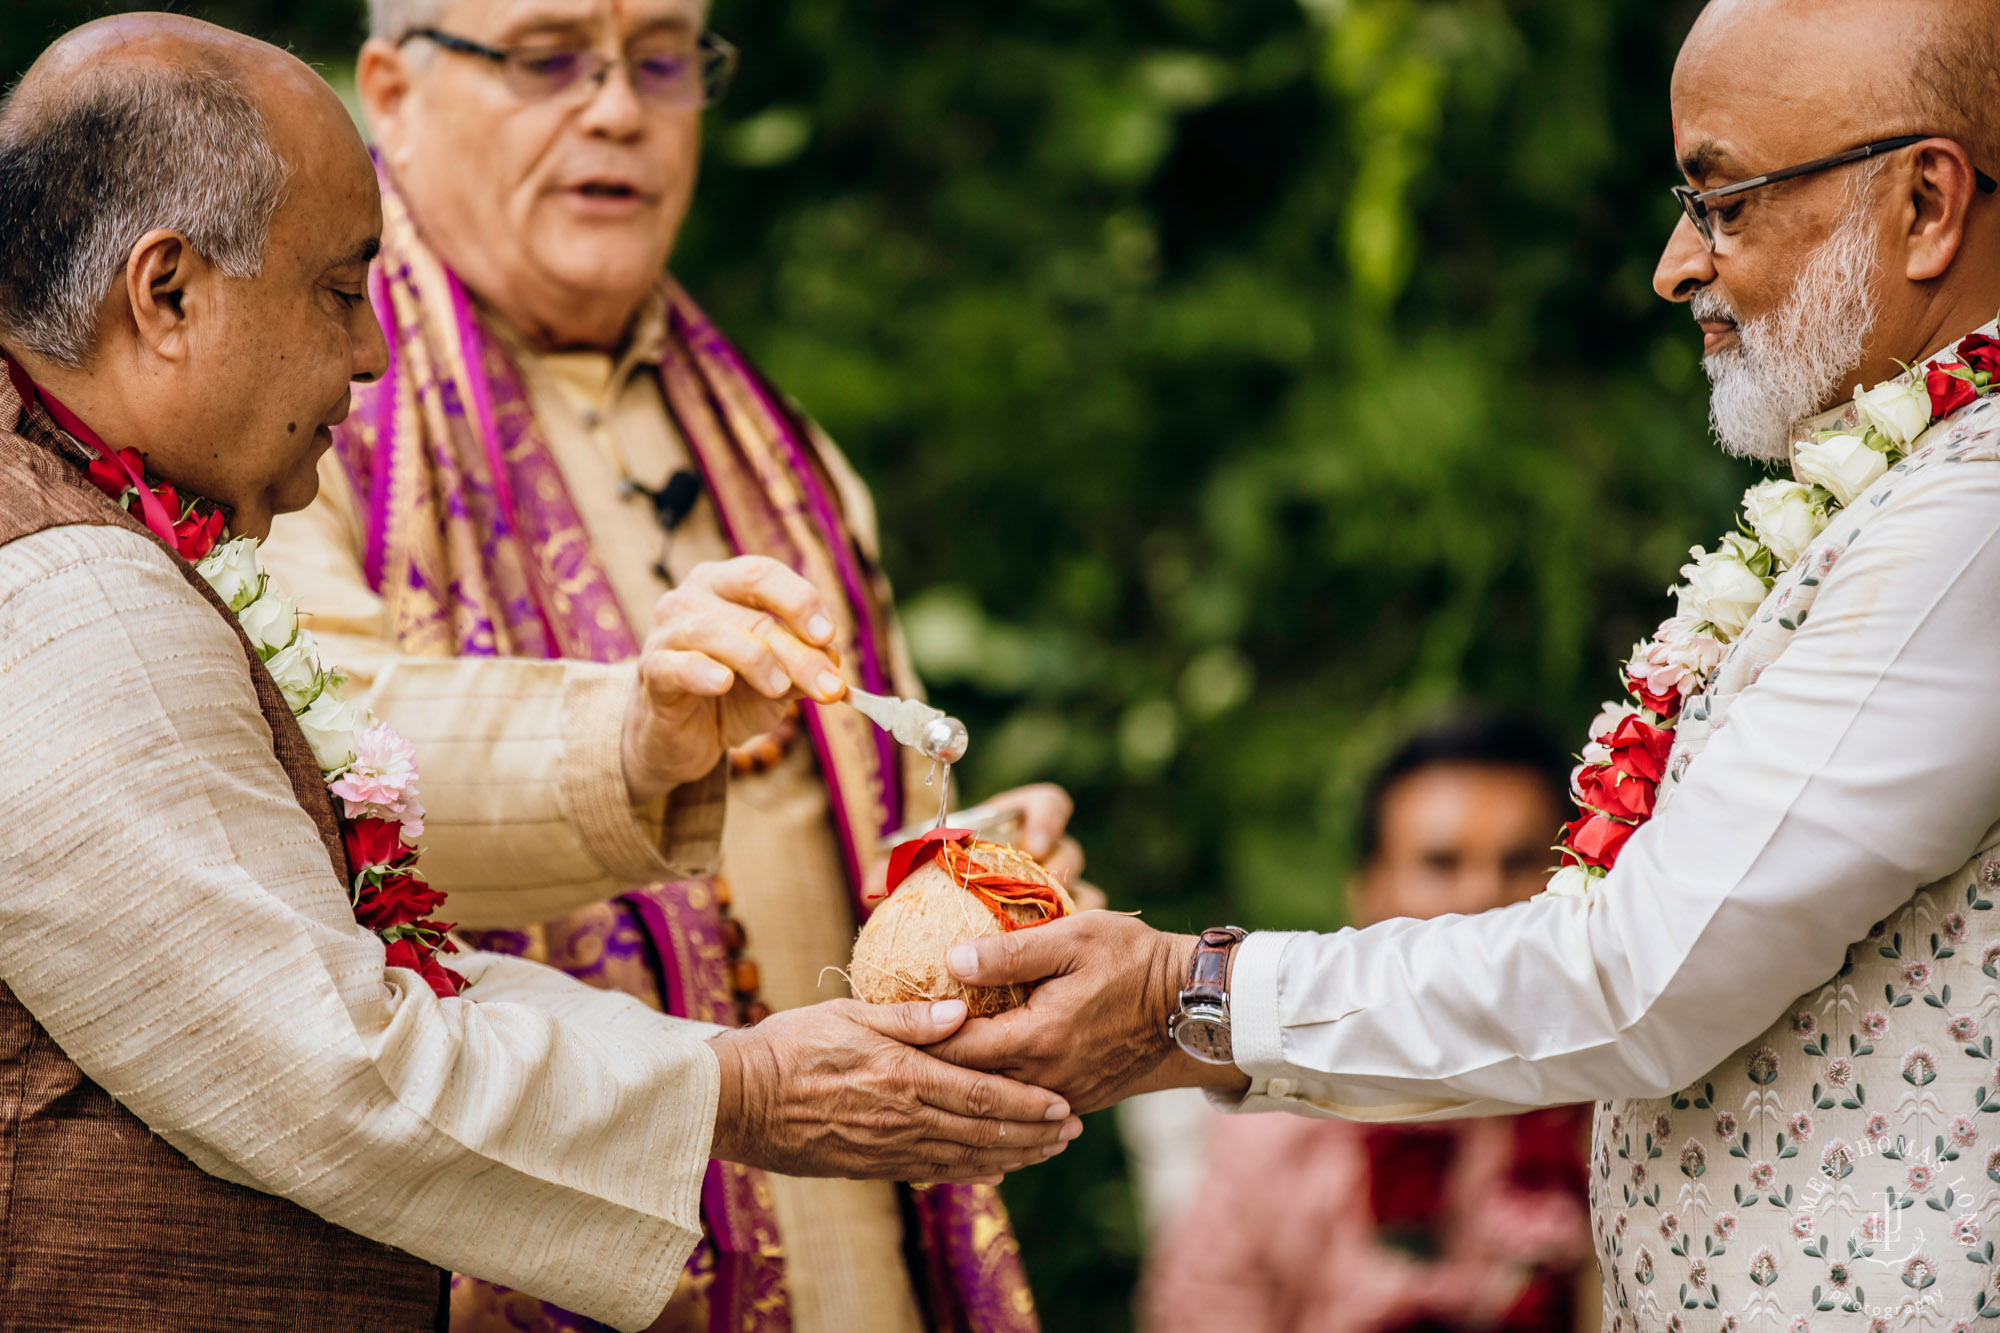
[(944, 788)]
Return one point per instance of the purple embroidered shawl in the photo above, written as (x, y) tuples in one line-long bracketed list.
[(477, 550)]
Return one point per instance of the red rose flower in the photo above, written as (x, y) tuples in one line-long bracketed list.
[(373, 843), (444, 982), (401, 953), (1639, 749), (1949, 392), (1595, 840), (420, 956), (112, 479), (1665, 706), (1604, 789), (400, 898), (423, 953), (196, 537), (1981, 353)]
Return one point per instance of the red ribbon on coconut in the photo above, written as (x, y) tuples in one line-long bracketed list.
[(911, 856), (997, 890)]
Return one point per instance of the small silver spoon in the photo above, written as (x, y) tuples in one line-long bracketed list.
[(928, 731)]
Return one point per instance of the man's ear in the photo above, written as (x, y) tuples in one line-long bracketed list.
[(382, 82), (1940, 195), (164, 280)]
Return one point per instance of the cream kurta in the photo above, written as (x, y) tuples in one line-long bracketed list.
[(168, 913), (605, 421)]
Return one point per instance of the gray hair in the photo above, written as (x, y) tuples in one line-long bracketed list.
[(93, 164), (391, 19)]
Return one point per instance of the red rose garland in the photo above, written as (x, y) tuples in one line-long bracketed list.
[(374, 780), (1617, 784)]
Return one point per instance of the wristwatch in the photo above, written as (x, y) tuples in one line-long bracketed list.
[(1200, 1025)]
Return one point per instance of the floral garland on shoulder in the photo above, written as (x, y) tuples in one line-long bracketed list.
[(1618, 782), (369, 770)]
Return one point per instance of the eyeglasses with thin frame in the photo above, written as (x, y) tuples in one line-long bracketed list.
[(694, 77), (1695, 203)]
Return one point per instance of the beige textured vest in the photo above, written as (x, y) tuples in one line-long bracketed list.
[(1839, 1171), (103, 1225)]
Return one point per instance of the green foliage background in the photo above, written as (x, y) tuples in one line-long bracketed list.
[(1241, 382)]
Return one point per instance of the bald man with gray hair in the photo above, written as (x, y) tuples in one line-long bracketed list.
[(1773, 956), (238, 1094)]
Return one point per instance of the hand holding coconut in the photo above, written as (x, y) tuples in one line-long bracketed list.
[(838, 1089), (1094, 1027)]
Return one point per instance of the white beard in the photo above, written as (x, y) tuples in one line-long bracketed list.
[(1787, 364)]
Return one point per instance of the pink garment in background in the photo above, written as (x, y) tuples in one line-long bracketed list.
[(1317, 1226)]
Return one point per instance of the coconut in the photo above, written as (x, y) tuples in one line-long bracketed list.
[(953, 896)]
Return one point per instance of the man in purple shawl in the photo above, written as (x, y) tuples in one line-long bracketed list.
[(565, 469)]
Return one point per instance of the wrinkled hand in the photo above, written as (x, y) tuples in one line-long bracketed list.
[(730, 648), (838, 1089), (1095, 1029)]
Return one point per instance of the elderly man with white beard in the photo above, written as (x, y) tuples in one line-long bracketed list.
[(564, 461), (1772, 956)]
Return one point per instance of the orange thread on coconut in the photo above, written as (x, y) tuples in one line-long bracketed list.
[(1000, 890), (946, 888)]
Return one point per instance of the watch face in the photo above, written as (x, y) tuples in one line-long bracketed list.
[(1203, 1032)]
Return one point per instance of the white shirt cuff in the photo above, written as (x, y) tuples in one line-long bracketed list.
[(1256, 1034)]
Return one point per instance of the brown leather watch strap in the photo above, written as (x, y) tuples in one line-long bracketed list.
[(1208, 969)]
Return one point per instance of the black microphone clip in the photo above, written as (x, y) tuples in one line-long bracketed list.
[(673, 502)]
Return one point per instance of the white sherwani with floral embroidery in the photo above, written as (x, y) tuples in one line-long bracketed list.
[(1812, 905)]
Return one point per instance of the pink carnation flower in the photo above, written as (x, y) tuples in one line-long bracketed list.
[(381, 783), (1675, 660)]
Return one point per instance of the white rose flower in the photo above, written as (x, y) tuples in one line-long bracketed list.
[(1572, 881), (1785, 516), (1900, 408), (296, 670), (330, 725), (1722, 588), (271, 622), (1844, 464), (231, 569)]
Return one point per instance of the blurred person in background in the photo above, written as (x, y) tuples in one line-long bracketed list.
[(562, 461), (1462, 1225)]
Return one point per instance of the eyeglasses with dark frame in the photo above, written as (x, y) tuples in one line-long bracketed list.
[(1695, 202), (694, 78)]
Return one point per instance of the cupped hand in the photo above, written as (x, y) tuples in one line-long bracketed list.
[(729, 650), (840, 1089), (1095, 1028)]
